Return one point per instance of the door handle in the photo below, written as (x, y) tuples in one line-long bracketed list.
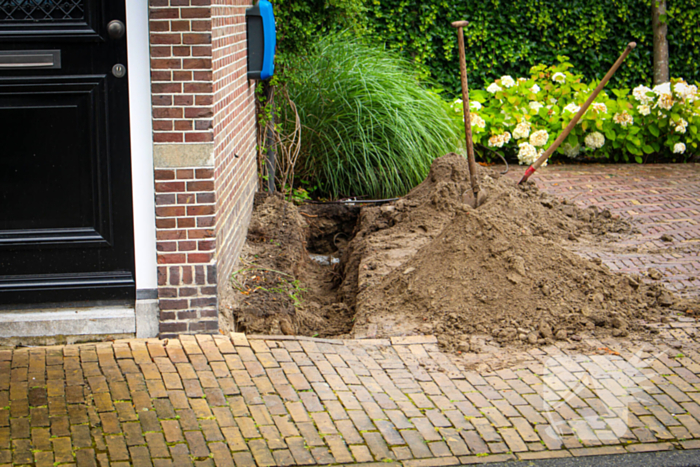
[(24, 59), (116, 29)]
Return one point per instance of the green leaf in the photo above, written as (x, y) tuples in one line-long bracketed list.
[(654, 130), (638, 159), (610, 135), (647, 149)]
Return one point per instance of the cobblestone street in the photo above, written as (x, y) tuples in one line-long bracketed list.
[(662, 202), (215, 400), (225, 400)]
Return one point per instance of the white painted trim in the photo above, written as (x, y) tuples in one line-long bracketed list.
[(142, 176)]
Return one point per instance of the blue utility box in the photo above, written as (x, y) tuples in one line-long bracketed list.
[(262, 39)]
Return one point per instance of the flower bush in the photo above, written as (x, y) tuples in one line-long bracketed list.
[(524, 116)]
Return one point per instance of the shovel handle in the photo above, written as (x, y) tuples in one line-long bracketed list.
[(564, 134), (460, 25)]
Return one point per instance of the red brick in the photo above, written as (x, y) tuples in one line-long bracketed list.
[(179, 304), (186, 174), (182, 51), (187, 246), (185, 99), (162, 125), (167, 112), (182, 76), (199, 257), (197, 88), (171, 258), (171, 234), (180, 26), (201, 210), (168, 223), (200, 233), (198, 112), (170, 211), (170, 187), (204, 173), (186, 198), (206, 221), (168, 137), (163, 13), (186, 222), (164, 174), (166, 88), (199, 137), (203, 245), (195, 13), (166, 246)]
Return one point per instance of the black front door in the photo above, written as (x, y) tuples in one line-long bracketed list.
[(66, 228)]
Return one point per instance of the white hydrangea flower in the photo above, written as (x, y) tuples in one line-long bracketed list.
[(571, 151), (644, 109), (552, 100), (595, 140), (477, 121), (507, 81), (559, 77), (665, 101), (686, 91), (623, 119), (536, 106), (522, 130), (663, 88), (527, 154), (535, 88), (539, 138), (474, 105), (573, 108), (494, 88), (499, 140), (599, 107), (640, 93), (457, 105), (681, 125), (678, 148)]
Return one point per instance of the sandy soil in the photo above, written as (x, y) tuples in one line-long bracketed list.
[(431, 264)]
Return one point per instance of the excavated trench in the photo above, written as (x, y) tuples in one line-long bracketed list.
[(430, 264)]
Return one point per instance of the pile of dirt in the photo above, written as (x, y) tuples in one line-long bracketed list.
[(431, 264), (505, 272), (278, 289)]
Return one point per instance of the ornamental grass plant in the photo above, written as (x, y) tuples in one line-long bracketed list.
[(524, 116), (369, 127)]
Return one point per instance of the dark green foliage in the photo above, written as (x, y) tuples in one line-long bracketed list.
[(507, 37)]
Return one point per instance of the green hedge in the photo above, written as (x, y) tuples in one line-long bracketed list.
[(505, 37)]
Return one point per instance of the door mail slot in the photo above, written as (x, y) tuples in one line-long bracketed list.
[(30, 59)]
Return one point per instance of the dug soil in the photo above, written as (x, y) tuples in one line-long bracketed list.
[(429, 263)]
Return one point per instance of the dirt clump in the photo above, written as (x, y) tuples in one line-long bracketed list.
[(430, 264), (277, 288)]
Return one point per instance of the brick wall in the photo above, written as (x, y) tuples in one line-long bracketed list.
[(181, 73), (234, 130), (204, 151), (186, 245)]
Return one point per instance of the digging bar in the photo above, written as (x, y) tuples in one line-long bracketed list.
[(550, 150), (478, 197)]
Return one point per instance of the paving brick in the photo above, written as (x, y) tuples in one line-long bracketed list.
[(301, 455)]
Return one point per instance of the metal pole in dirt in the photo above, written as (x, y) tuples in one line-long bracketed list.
[(270, 139), (550, 150), (467, 116)]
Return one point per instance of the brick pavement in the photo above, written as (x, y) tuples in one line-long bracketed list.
[(661, 200), (262, 401)]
